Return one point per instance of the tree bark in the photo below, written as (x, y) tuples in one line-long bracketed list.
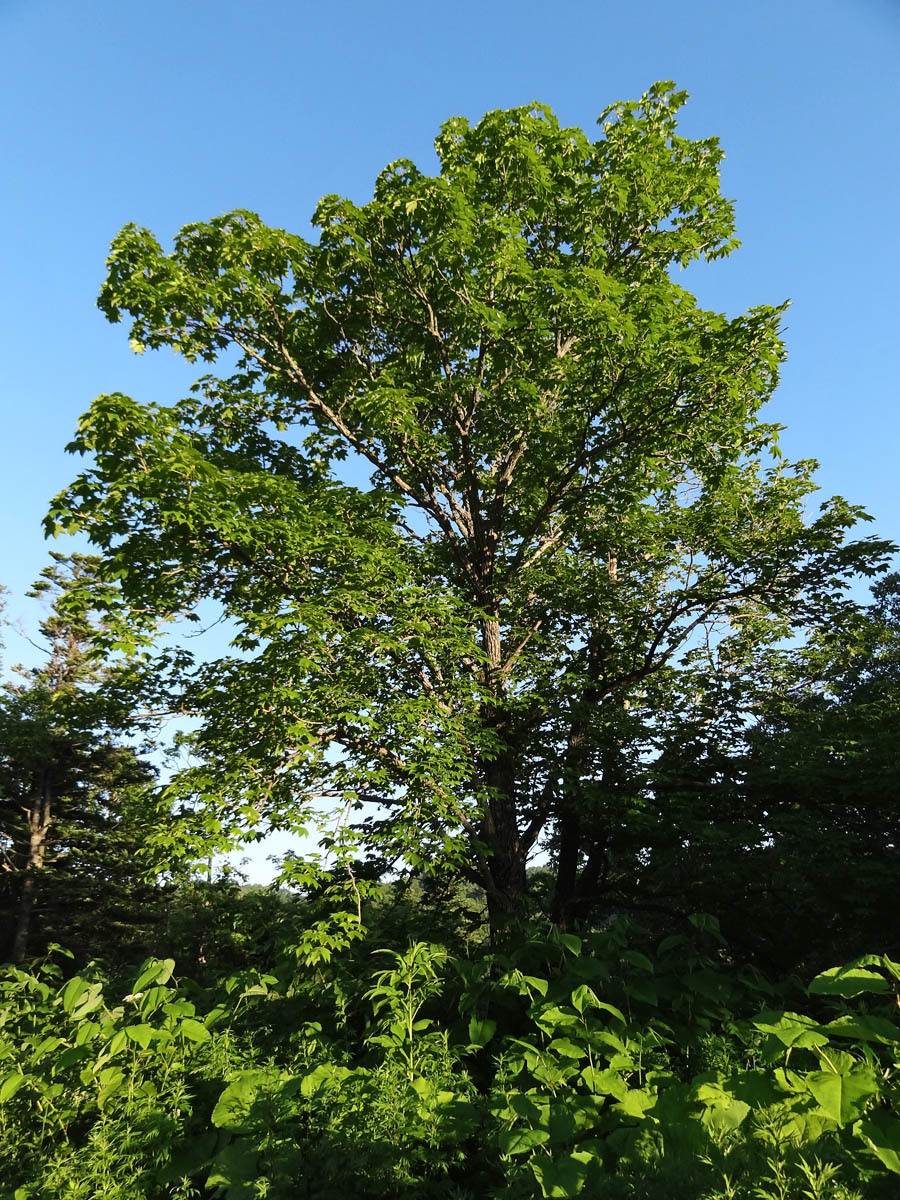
[(571, 895), (575, 894), (40, 818), (505, 853), (500, 827), (566, 868)]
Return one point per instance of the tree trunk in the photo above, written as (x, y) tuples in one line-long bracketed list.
[(566, 869), (506, 895), (575, 894), (505, 854), (40, 818), (504, 851)]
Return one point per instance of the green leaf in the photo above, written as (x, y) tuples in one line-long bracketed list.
[(87, 1002), (842, 1098), (194, 1031), (73, 990), (863, 1027), (520, 1141), (481, 1030), (562, 1176), (116, 1042), (568, 1048), (154, 970), (523, 1106), (535, 982), (45, 1047), (10, 1085), (637, 959), (250, 1095), (324, 1074), (881, 1131), (234, 1105), (552, 1016), (111, 1081), (636, 1102), (71, 1056), (152, 998), (585, 997), (189, 1157), (792, 1029), (141, 1035), (847, 982), (86, 1032), (571, 942), (644, 990), (604, 1083), (757, 1088), (315, 1080), (582, 995), (705, 923), (720, 1119), (560, 1122)]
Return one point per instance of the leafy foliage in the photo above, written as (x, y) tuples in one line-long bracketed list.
[(568, 479), (554, 1067), (781, 779)]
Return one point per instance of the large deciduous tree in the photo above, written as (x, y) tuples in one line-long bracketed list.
[(476, 467)]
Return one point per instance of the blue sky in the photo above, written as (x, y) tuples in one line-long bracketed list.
[(169, 112), (172, 112)]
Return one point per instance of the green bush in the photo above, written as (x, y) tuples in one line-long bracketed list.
[(554, 1067)]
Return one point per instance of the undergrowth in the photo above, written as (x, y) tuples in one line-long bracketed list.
[(551, 1067)]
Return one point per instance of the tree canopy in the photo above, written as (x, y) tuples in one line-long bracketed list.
[(474, 470)]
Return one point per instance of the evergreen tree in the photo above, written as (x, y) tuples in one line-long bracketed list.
[(75, 798)]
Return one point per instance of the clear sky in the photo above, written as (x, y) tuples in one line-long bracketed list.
[(170, 112)]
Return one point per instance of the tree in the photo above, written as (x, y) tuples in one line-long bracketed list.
[(74, 799), (477, 468), (766, 792), (791, 832)]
